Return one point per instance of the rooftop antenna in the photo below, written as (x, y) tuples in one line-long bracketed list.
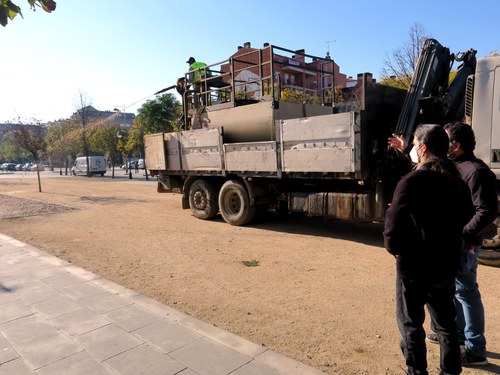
[(328, 42)]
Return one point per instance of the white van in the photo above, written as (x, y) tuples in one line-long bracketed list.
[(97, 165), (140, 163)]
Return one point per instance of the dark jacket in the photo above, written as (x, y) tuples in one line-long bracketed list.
[(424, 224), (482, 183)]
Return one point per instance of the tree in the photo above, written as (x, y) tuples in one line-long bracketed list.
[(63, 142), (9, 10), (105, 140), (31, 137), (84, 117), (401, 63), (161, 114), (9, 150)]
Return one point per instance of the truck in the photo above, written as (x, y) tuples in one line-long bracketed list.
[(269, 129)]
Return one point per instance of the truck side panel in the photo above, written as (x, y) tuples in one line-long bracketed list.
[(201, 150), (254, 157), (319, 144), (154, 149)]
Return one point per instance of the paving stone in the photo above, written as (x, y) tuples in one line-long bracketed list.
[(78, 322), (57, 306), (14, 310), (256, 368), (223, 337), (167, 336), (7, 352), (16, 367), (38, 294), (7, 294), (31, 264), (210, 358), (145, 360), (115, 288), (80, 363), (286, 365), (84, 290), (188, 371), (12, 273), (38, 342), (64, 280), (52, 260), (80, 272), (106, 342), (103, 303), (132, 317), (48, 271), (20, 256), (23, 284)]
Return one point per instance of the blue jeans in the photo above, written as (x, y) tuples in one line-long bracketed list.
[(470, 310)]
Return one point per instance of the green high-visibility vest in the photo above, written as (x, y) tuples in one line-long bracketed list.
[(197, 74)]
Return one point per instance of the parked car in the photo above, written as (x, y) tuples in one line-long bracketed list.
[(19, 167), (130, 163), (36, 167), (8, 167)]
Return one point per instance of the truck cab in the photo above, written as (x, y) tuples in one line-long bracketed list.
[(483, 110)]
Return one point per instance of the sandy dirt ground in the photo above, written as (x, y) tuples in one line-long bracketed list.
[(321, 292)]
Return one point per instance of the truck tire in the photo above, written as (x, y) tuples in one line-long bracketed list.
[(234, 203), (489, 257), (203, 199)]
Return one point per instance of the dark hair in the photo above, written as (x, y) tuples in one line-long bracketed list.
[(437, 142), (434, 137), (463, 134)]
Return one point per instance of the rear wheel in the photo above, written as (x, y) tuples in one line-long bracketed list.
[(234, 203), (489, 257), (203, 200)]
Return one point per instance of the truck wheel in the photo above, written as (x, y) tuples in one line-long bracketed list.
[(234, 203), (489, 257), (203, 200)]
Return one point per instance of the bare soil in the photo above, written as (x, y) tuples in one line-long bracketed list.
[(321, 292)]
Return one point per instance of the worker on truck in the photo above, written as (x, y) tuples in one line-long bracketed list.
[(195, 77)]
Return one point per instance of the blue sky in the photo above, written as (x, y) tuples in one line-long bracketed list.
[(119, 52)]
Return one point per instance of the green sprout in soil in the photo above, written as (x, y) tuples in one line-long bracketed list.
[(250, 263)]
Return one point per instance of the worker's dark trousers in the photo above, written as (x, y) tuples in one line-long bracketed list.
[(411, 296)]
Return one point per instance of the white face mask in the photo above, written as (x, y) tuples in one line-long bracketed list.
[(414, 155)]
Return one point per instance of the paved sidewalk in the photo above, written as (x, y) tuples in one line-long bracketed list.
[(56, 318)]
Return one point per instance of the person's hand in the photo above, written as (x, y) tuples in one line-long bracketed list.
[(397, 142)]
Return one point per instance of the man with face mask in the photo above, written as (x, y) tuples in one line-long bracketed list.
[(482, 183), (423, 226)]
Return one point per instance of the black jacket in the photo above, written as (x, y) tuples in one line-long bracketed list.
[(482, 183), (424, 224)]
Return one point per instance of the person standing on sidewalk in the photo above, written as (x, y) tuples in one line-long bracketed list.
[(423, 228), (482, 183)]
